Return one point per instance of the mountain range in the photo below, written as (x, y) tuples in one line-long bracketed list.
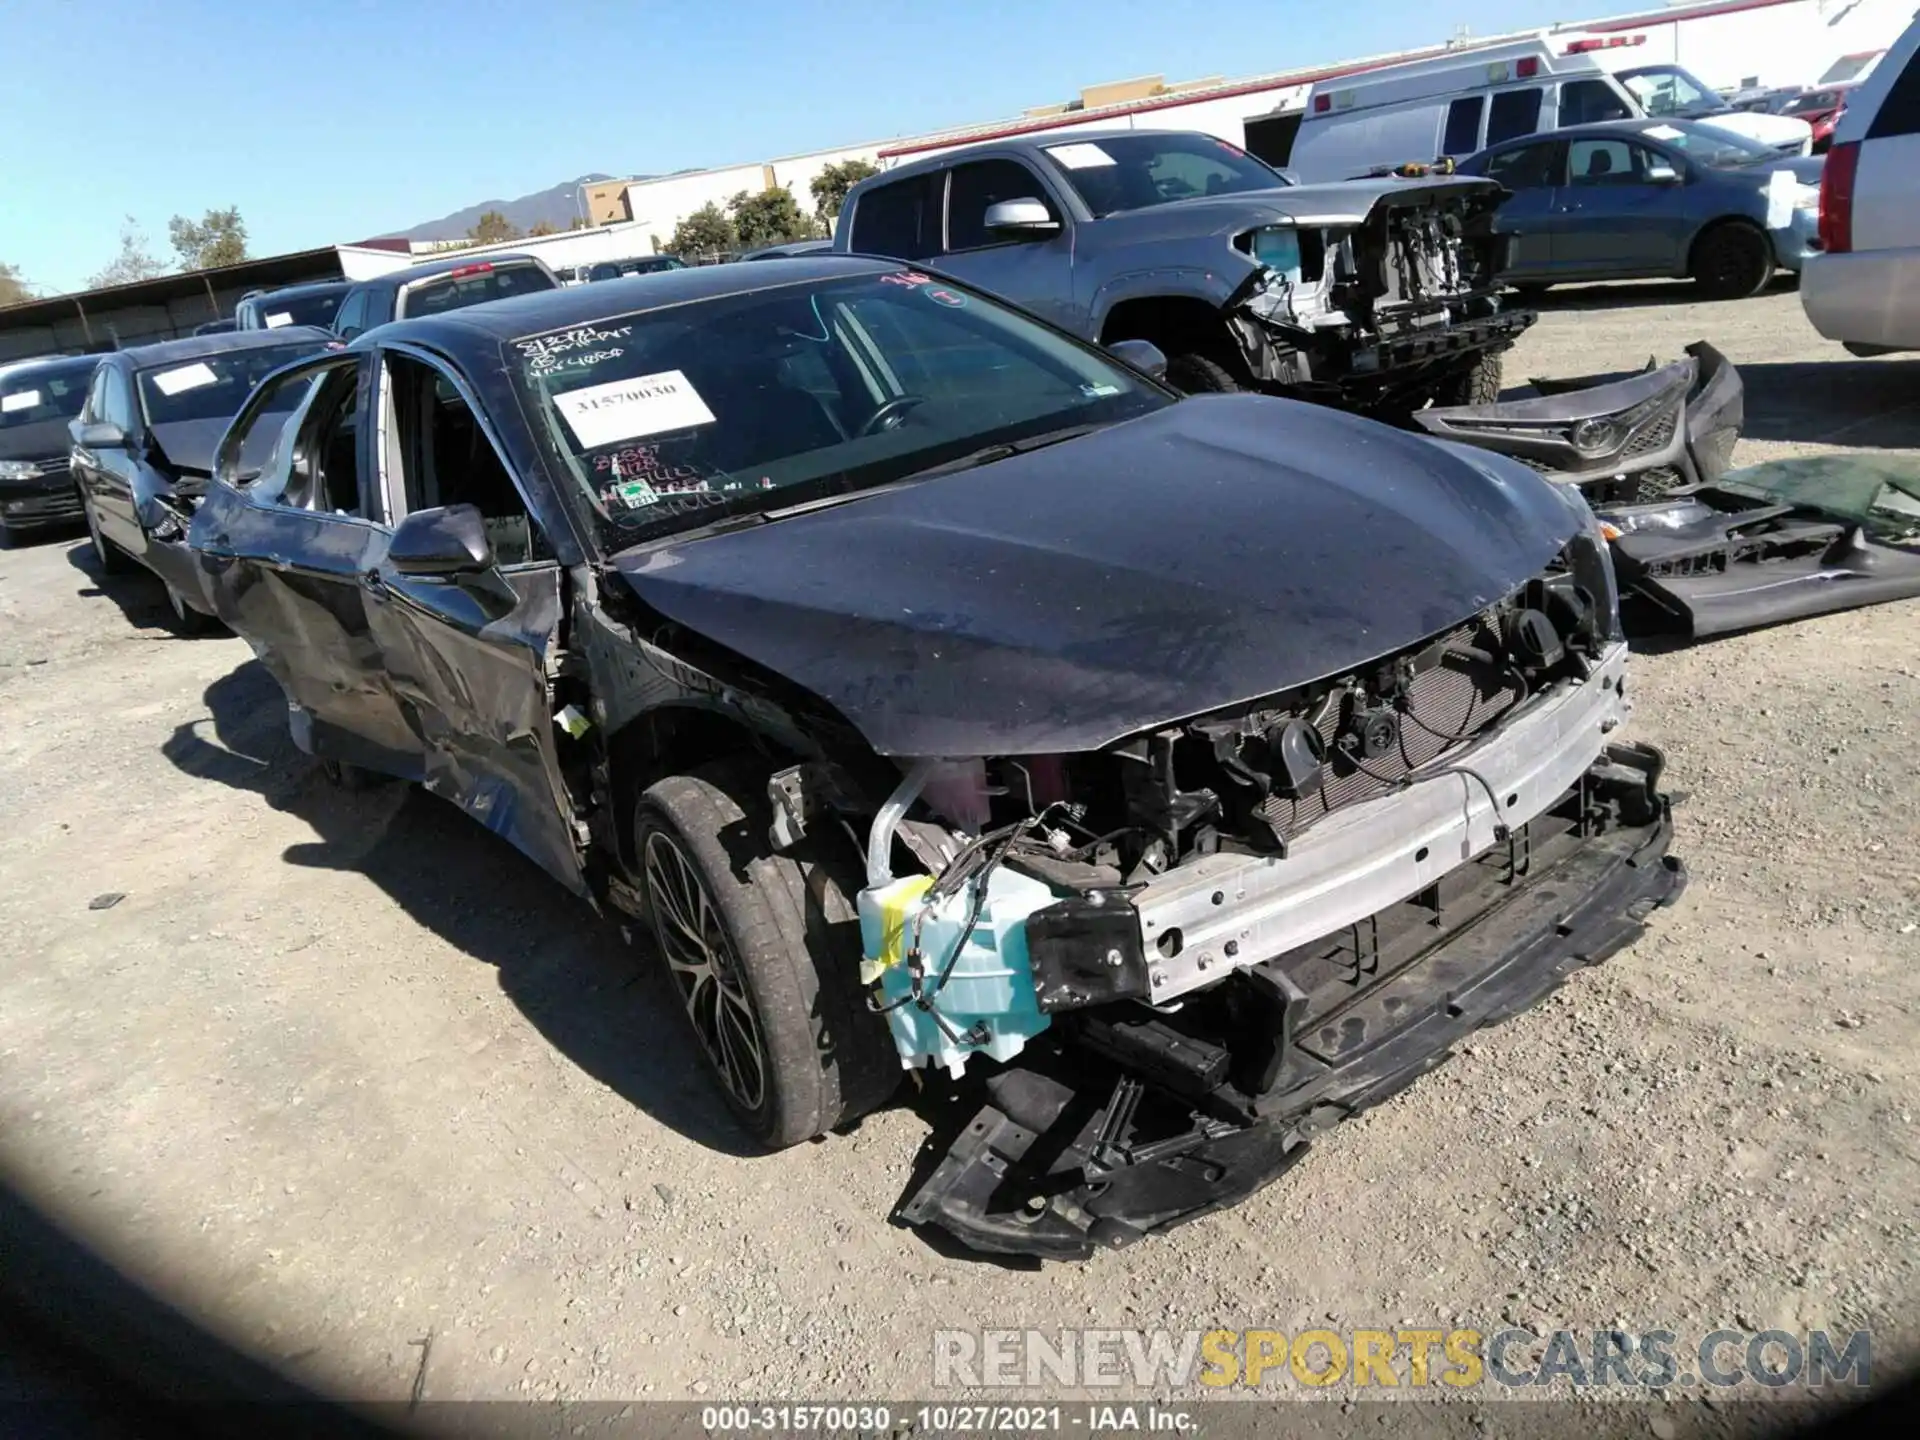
[(557, 205)]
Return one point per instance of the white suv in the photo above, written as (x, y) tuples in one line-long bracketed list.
[(1864, 288)]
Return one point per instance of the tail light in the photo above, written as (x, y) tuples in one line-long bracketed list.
[(1836, 198), (480, 269)]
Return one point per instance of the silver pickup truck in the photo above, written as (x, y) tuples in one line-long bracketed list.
[(1376, 295)]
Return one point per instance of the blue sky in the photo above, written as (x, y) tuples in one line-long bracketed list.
[(340, 119)]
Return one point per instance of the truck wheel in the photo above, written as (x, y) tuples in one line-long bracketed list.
[(763, 953), (1732, 261), (1477, 384), (1193, 374)]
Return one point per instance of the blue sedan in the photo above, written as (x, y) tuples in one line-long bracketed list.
[(1652, 198)]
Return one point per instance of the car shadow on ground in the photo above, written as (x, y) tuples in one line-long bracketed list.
[(136, 590), (1627, 294), (1861, 404), (599, 1000)]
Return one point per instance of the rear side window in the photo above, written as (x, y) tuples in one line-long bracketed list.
[(456, 291), (900, 220), (1463, 125), (1514, 113), (1526, 167), (975, 187), (1899, 112)]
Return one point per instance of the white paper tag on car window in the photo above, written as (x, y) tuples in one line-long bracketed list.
[(186, 377), (1084, 156), (19, 400), (627, 409), (1783, 188), (1663, 132), (279, 318)]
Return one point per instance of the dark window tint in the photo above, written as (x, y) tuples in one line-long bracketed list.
[(986, 182), (1463, 126), (456, 291), (900, 220), (213, 387), (351, 318), (1899, 113), (1590, 102), (299, 310), (1515, 113), (1525, 167), (28, 397)]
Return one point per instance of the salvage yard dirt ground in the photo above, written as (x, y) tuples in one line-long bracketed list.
[(342, 1071)]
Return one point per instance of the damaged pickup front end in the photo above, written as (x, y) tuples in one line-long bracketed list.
[(1698, 548), (1379, 294)]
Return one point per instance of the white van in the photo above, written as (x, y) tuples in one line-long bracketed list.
[(1459, 104)]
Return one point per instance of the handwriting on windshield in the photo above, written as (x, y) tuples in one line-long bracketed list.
[(644, 463), (546, 353)]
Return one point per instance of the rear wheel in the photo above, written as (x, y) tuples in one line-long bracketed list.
[(1732, 261), (763, 953), (1195, 374), (113, 560)]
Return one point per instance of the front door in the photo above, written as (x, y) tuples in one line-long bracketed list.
[(1035, 271), (290, 524), (1614, 219), (468, 655)]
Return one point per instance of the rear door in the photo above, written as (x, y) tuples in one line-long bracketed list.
[(1534, 174), (470, 656), (1035, 271), (1613, 219), (291, 521)]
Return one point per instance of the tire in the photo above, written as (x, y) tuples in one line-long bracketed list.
[(1477, 384), (1194, 374), (352, 778), (9, 537), (112, 559), (1732, 261), (760, 951), (186, 619), (1532, 292)]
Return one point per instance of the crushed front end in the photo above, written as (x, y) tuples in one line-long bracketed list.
[(1383, 311), (1152, 973)]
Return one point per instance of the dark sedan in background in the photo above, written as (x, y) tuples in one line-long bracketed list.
[(142, 444), (37, 399), (1651, 199), (314, 304), (434, 287)]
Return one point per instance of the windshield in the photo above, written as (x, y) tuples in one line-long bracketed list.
[(474, 286), (1132, 172), (275, 311), (671, 418), (215, 386), (30, 396), (1808, 104), (1714, 148), (1669, 90)]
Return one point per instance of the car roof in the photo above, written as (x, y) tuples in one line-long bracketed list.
[(294, 292), (427, 269), (1634, 126), (519, 315), (1030, 144), (198, 347), (50, 365)]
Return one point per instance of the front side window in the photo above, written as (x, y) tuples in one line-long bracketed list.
[(35, 396), (901, 220), (444, 456), (296, 445), (116, 400), (1591, 102), (667, 419), (215, 386), (1607, 162), (975, 187), (472, 285), (1514, 113), (1669, 90), (351, 318), (1133, 172), (1463, 125)]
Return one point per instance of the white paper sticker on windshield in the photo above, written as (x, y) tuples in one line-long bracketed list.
[(626, 409), (1084, 156), (1663, 132), (186, 377), (1783, 188), (19, 400), (279, 318)]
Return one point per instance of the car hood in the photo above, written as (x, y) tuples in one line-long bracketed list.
[(1219, 550), (36, 440), (189, 444), (1343, 202)]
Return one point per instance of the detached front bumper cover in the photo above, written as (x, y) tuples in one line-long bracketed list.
[(1123, 1131)]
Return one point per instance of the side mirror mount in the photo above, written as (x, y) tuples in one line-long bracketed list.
[(441, 543), (101, 435), (1661, 173), (1023, 219), (1142, 355)]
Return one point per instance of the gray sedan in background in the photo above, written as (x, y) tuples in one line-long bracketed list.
[(1647, 199)]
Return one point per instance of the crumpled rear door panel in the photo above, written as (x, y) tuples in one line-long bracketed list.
[(468, 661)]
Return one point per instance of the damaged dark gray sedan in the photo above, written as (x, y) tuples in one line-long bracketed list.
[(1159, 781)]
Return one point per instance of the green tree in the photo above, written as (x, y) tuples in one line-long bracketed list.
[(218, 238), (133, 261), (707, 231), (769, 218), (542, 227), (830, 187), (492, 226), (13, 290)]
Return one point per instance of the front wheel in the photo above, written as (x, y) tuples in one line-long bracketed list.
[(112, 559), (1194, 374), (763, 952), (1732, 262), (186, 619)]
